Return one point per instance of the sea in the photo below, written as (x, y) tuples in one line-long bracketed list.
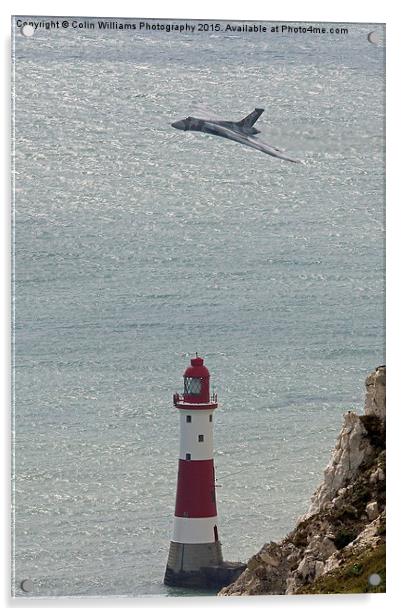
[(136, 245)]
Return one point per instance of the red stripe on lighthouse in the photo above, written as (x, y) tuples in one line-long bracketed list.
[(195, 496)]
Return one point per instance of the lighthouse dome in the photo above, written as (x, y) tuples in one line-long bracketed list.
[(197, 369)]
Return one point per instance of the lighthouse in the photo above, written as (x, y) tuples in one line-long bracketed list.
[(195, 554)]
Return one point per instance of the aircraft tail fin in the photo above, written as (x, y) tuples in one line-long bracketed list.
[(251, 119)]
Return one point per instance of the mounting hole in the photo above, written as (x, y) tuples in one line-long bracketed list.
[(27, 30), (374, 579), (27, 585), (374, 37)]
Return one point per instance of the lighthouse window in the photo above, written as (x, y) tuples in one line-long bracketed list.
[(188, 456), (210, 418), (192, 386), (188, 418), (200, 438)]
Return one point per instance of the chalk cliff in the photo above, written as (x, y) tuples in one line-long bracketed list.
[(340, 541)]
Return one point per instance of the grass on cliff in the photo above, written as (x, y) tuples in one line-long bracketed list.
[(352, 576)]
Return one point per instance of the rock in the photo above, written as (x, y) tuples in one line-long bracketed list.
[(327, 547), (375, 396), (293, 558), (261, 572), (320, 547), (372, 511), (368, 538), (377, 475), (339, 498), (319, 568), (350, 450), (270, 560), (253, 563), (306, 569)]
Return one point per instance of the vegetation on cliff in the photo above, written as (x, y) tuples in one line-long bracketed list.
[(353, 576)]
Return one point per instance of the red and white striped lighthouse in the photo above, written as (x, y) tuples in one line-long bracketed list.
[(195, 555)]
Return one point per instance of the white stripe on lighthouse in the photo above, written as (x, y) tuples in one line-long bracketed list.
[(196, 435), (194, 530)]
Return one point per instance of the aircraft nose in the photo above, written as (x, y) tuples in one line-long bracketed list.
[(179, 124)]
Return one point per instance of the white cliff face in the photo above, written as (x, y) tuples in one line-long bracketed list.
[(350, 450), (346, 513), (352, 446), (375, 395)]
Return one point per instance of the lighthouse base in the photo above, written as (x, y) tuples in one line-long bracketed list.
[(200, 565)]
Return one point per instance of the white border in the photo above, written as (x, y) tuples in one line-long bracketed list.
[(341, 11)]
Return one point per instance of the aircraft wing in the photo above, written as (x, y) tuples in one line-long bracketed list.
[(252, 142)]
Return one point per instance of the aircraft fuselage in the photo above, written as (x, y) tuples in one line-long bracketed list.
[(205, 126)]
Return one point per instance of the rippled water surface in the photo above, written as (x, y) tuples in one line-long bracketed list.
[(137, 245)]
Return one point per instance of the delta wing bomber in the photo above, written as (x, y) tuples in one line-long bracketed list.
[(243, 131)]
